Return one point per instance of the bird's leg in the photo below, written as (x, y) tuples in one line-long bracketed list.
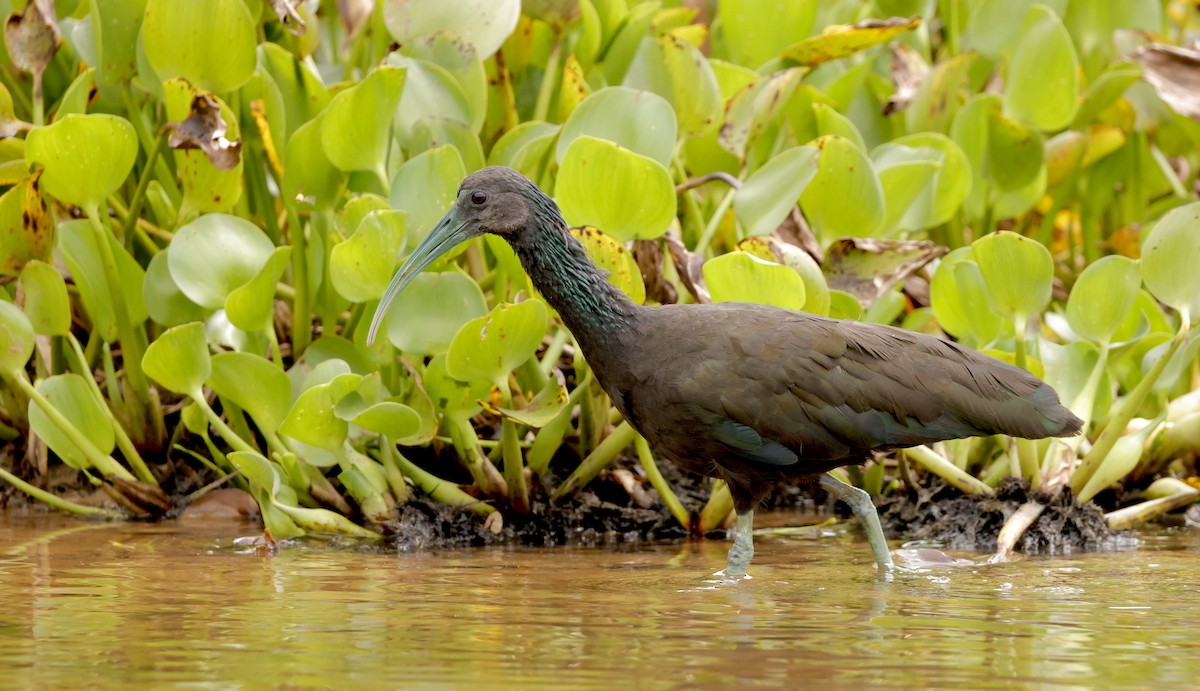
[(860, 502), (743, 547)]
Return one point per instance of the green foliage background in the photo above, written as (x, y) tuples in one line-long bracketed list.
[(203, 202)]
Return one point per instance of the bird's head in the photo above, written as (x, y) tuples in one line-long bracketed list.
[(494, 200)]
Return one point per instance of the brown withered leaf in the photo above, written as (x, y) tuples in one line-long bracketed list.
[(689, 265), (649, 257), (908, 72), (868, 267), (288, 16), (1174, 73), (205, 129), (354, 13), (32, 36)]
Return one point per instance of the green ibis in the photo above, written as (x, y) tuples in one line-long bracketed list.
[(748, 393)]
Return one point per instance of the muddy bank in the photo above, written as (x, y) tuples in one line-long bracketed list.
[(946, 516)]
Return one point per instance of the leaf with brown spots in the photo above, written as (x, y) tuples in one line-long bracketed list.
[(841, 40), (1175, 74), (867, 267), (26, 231), (205, 129), (908, 72)]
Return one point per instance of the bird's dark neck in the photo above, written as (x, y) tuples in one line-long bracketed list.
[(595, 311)]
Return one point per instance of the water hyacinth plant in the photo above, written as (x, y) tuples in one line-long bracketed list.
[(201, 205)]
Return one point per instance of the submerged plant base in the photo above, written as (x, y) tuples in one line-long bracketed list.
[(946, 516)]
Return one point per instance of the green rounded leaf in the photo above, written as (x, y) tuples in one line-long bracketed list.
[(430, 91), (71, 396), (179, 359), (615, 259), (308, 174), (1102, 297), (756, 31), (16, 338), (215, 255), (626, 195), (424, 318), (211, 43), (844, 173), (312, 419), (46, 301), (85, 157), (772, 191), (361, 266), (257, 470), (676, 70), (639, 121), (251, 305), (939, 200), (944, 295), (1042, 88), (1014, 152), (483, 24), (1170, 257), (542, 408), (165, 302), (425, 186), (254, 385), (492, 346), (458, 59), (742, 277), (357, 121), (1018, 272)]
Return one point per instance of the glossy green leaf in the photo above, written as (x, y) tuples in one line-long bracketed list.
[(425, 187), (1105, 90), (742, 277), (77, 242), (626, 195), (843, 305), (484, 24), (1102, 297), (251, 305), (361, 266), (628, 38), (257, 470), (614, 259), (255, 385), (905, 175), (995, 26), (1014, 152), (46, 301), (165, 302), (116, 24), (215, 255), (676, 70), (16, 338), (492, 346), (829, 121), (428, 133), (451, 396), (1018, 272), (756, 31), (528, 148), (312, 420), (303, 94), (755, 106), (71, 396), (395, 420), (1120, 461), (457, 57), (78, 95), (1169, 259), (639, 121), (211, 44), (430, 91), (541, 409), (424, 318), (944, 296), (1042, 89), (85, 157), (26, 227), (772, 191), (357, 121), (179, 359), (940, 200), (308, 174), (205, 187), (844, 172), (816, 288)]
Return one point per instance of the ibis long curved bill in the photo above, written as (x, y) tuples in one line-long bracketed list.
[(448, 232)]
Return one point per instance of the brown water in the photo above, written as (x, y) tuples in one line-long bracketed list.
[(137, 605)]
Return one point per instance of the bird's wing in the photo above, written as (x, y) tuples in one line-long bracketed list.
[(822, 388)]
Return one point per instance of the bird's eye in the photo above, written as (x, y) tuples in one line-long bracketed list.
[(478, 198)]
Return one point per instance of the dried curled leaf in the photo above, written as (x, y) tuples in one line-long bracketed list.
[(1175, 74), (32, 36), (690, 267), (908, 72), (205, 129), (649, 257), (353, 13), (286, 11)]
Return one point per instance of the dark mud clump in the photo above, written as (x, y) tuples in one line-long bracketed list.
[(944, 515)]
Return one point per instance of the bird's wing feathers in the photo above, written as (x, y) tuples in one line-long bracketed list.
[(829, 389)]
